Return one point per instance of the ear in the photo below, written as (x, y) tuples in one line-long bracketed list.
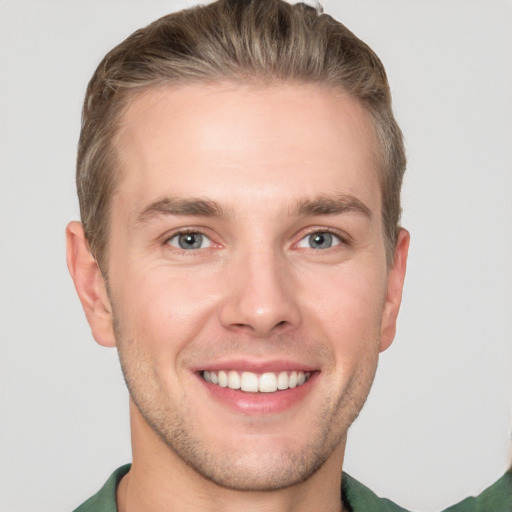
[(90, 285), (396, 276)]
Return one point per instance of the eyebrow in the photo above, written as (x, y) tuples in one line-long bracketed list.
[(322, 205), (328, 205), (174, 206)]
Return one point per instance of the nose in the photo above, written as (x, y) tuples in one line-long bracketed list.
[(260, 296)]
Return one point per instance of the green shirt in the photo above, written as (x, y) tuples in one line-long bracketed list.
[(496, 498), (357, 497)]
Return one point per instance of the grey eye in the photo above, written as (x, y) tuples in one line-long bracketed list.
[(189, 241), (320, 240)]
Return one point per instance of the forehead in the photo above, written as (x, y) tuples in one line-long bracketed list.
[(244, 141)]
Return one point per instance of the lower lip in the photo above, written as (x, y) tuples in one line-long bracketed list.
[(259, 403)]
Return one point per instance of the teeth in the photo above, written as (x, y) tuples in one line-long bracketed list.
[(282, 381), (249, 382), (268, 383), (252, 382), (233, 380), (223, 379)]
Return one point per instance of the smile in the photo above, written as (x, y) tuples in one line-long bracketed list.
[(250, 382)]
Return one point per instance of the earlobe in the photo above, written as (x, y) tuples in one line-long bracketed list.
[(89, 284), (396, 277)]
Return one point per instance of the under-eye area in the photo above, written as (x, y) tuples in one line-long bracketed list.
[(250, 382)]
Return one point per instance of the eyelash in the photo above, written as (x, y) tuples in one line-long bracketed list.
[(342, 237), (185, 231)]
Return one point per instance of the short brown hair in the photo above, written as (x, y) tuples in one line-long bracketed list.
[(265, 41)]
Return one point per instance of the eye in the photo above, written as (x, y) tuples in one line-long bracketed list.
[(320, 240), (189, 241)]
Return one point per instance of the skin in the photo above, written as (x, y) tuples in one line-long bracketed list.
[(256, 294)]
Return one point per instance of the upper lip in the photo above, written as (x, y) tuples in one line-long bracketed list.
[(255, 366)]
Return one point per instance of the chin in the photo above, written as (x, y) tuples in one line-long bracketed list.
[(256, 469)]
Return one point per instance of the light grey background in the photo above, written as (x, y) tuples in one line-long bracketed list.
[(436, 426)]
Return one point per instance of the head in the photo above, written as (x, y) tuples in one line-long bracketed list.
[(239, 171), (260, 42)]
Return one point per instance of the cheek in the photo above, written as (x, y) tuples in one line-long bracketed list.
[(163, 308), (348, 304)]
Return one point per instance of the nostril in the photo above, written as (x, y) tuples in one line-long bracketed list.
[(240, 327)]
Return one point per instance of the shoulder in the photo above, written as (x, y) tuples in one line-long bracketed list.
[(359, 498), (496, 498), (105, 499)]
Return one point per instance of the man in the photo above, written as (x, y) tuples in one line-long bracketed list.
[(239, 175)]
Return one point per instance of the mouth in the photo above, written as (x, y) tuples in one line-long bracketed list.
[(249, 382)]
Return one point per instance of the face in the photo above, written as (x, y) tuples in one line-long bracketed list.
[(249, 295)]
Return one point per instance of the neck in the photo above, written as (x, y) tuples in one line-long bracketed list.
[(160, 480)]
